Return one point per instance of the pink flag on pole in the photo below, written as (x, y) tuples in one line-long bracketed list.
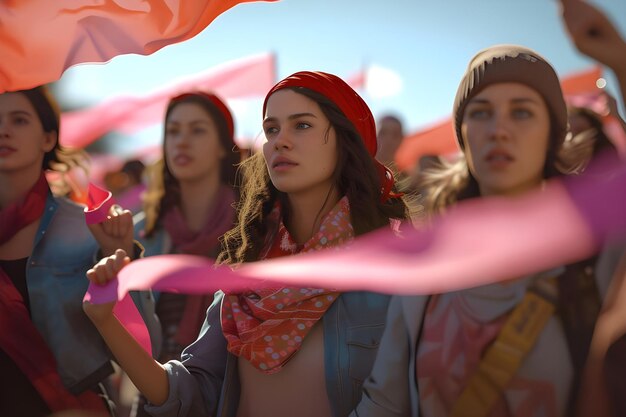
[(247, 77), (39, 39)]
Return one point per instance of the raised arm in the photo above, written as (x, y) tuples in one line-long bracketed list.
[(595, 36), (147, 374)]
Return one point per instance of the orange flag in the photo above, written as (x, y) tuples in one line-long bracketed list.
[(39, 39), (583, 82), (438, 139)]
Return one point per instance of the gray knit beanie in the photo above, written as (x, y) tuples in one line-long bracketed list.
[(512, 63)]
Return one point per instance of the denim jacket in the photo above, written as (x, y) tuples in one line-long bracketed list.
[(206, 382), (63, 251)]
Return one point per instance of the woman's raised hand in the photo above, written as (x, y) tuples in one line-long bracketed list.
[(594, 34), (104, 271), (116, 232)]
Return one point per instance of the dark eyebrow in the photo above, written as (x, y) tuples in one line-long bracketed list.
[(291, 117), (21, 113)]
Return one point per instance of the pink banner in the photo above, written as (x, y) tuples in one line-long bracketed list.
[(478, 242), (39, 39), (99, 202), (247, 77)]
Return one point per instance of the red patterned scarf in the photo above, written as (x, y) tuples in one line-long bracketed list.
[(267, 327)]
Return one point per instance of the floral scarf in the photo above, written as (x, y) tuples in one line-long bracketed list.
[(267, 327)]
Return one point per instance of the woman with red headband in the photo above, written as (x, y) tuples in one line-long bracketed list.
[(283, 351), (188, 206)]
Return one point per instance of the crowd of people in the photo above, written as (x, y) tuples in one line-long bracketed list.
[(547, 344)]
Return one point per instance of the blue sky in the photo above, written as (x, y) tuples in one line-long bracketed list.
[(427, 43)]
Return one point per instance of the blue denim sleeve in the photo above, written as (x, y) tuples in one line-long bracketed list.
[(195, 382)]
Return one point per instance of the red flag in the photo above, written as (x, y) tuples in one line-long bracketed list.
[(251, 76), (583, 82), (436, 140), (39, 39)]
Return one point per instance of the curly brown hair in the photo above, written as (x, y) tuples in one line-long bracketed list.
[(355, 176)]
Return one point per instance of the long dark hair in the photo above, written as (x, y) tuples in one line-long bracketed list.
[(355, 176), (163, 189), (58, 158)]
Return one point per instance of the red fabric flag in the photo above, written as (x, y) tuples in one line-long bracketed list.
[(247, 77), (39, 39), (436, 140), (583, 82)]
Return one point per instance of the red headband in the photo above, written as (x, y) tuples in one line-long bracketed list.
[(217, 102), (351, 105)]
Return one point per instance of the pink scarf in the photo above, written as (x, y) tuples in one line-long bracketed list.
[(205, 242), (24, 211), (219, 220)]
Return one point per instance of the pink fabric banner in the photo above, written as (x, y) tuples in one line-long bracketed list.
[(39, 39), (247, 77), (99, 202), (478, 242)]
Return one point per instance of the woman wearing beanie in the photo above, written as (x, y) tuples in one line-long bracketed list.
[(284, 351), (515, 348)]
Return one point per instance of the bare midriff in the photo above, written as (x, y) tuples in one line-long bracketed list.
[(298, 389)]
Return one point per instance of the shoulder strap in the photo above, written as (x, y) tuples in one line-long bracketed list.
[(579, 305), (503, 358)]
